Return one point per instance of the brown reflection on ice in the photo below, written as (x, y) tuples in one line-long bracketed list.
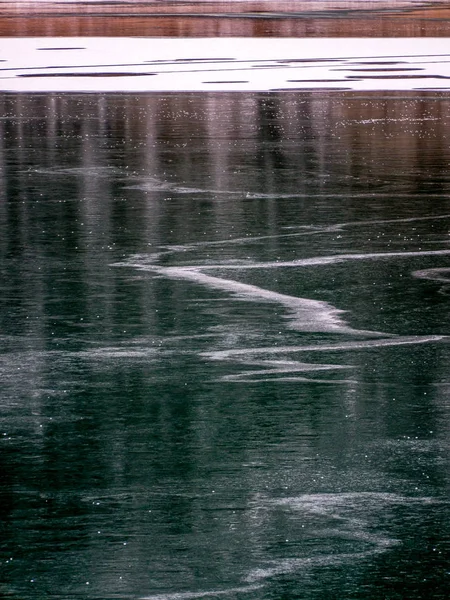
[(322, 18)]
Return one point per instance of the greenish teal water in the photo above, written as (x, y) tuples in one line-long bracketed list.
[(224, 361)]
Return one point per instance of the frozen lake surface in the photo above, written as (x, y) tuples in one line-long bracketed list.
[(224, 319)]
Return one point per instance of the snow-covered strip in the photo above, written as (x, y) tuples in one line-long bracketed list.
[(86, 64)]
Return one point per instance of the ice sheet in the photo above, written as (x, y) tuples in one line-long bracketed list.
[(90, 64)]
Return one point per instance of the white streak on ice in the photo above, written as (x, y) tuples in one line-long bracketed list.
[(325, 260), (193, 271), (308, 230), (280, 367), (244, 357), (350, 513), (440, 274), (206, 594), (343, 346), (304, 314)]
